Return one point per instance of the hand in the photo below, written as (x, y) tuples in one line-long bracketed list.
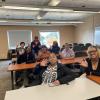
[(56, 82), (84, 63), (44, 62), (17, 46)]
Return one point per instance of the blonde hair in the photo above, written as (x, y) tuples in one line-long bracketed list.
[(92, 48)]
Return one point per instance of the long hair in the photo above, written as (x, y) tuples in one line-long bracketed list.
[(92, 48)]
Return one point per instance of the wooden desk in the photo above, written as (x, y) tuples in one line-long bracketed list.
[(18, 67), (79, 89), (94, 78), (71, 60)]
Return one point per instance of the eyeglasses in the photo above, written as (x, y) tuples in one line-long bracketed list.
[(92, 51)]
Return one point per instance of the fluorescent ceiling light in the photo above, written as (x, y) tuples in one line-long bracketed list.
[(3, 21), (85, 12), (73, 22), (57, 10), (20, 8), (58, 22), (42, 22), (54, 2), (37, 9)]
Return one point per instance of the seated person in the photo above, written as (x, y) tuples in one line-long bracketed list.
[(21, 58), (62, 48), (55, 48), (50, 71), (43, 53), (67, 52), (91, 64), (21, 53), (30, 57)]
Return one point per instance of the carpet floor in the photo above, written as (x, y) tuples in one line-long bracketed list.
[(5, 79)]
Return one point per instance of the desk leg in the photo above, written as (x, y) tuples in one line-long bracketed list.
[(12, 80)]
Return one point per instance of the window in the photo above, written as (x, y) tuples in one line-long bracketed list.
[(97, 36), (17, 36), (47, 37)]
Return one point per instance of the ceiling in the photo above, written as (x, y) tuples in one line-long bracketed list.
[(66, 12)]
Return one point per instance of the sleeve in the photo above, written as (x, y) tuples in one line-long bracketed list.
[(88, 69), (31, 58), (68, 75), (63, 53), (37, 69), (72, 53), (97, 73)]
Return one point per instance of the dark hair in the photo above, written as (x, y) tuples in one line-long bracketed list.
[(43, 46), (22, 43), (36, 37), (55, 43)]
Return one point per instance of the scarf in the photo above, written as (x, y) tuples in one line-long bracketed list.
[(49, 75)]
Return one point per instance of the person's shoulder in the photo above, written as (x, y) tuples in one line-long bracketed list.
[(71, 49), (64, 50), (60, 65)]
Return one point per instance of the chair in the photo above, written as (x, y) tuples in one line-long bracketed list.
[(77, 48), (80, 54), (81, 44), (88, 44)]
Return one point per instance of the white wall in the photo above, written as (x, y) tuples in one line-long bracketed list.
[(66, 35), (85, 31)]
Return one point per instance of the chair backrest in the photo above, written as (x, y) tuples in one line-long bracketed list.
[(77, 48), (81, 44), (88, 44), (83, 48), (80, 54), (13, 50)]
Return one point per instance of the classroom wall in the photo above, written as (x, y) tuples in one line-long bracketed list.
[(66, 35), (84, 33)]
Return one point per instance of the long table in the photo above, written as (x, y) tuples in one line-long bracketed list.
[(72, 60), (94, 78), (18, 67), (79, 89)]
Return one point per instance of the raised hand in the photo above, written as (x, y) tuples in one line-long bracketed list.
[(84, 63), (44, 62)]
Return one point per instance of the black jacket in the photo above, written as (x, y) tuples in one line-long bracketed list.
[(89, 69), (30, 57), (37, 46), (64, 74)]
